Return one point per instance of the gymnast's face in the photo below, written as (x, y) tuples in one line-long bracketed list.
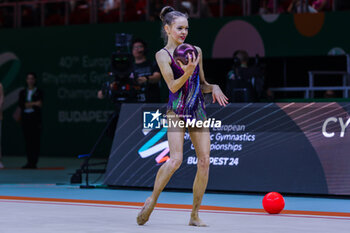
[(178, 30)]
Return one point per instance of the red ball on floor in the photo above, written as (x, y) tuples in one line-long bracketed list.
[(273, 203)]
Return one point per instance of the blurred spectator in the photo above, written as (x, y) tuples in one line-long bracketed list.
[(186, 6), (231, 7), (238, 88), (30, 14), (266, 7), (30, 101), (301, 6), (191, 8), (145, 75), (1, 104), (322, 5), (297, 6), (80, 13), (109, 11), (110, 5), (134, 10), (329, 94), (155, 8), (55, 14), (7, 14), (140, 9), (245, 83)]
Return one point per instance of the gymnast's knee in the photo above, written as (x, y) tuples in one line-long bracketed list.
[(174, 164), (203, 163)]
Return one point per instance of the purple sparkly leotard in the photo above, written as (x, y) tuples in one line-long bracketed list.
[(188, 101)]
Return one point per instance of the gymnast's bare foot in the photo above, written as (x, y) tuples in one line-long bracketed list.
[(146, 211), (196, 221)]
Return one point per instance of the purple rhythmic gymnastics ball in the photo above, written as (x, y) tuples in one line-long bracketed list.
[(181, 51)]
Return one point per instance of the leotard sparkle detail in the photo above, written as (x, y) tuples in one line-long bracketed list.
[(188, 101)]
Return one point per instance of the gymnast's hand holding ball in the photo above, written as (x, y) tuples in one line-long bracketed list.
[(190, 66), (187, 57), (187, 62)]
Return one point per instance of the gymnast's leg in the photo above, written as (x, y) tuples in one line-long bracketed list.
[(176, 141), (200, 138)]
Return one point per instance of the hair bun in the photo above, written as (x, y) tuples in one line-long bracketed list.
[(165, 11)]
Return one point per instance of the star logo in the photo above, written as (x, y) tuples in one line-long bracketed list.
[(156, 115), (152, 120)]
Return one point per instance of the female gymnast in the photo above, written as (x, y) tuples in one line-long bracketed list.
[(186, 84)]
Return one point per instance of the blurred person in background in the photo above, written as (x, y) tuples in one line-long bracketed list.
[(144, 78), (297, 6), (155, 8), (329, 94), (30, 102), (110, 5), (266, 7), (322, 5), (245, 82), (145, 74), (301, 6)]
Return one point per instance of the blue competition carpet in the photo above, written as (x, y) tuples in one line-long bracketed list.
[(54, 183)]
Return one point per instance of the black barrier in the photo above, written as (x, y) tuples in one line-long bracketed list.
[(285, 147)]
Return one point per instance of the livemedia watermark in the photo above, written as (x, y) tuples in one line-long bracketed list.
[(157, 120)]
